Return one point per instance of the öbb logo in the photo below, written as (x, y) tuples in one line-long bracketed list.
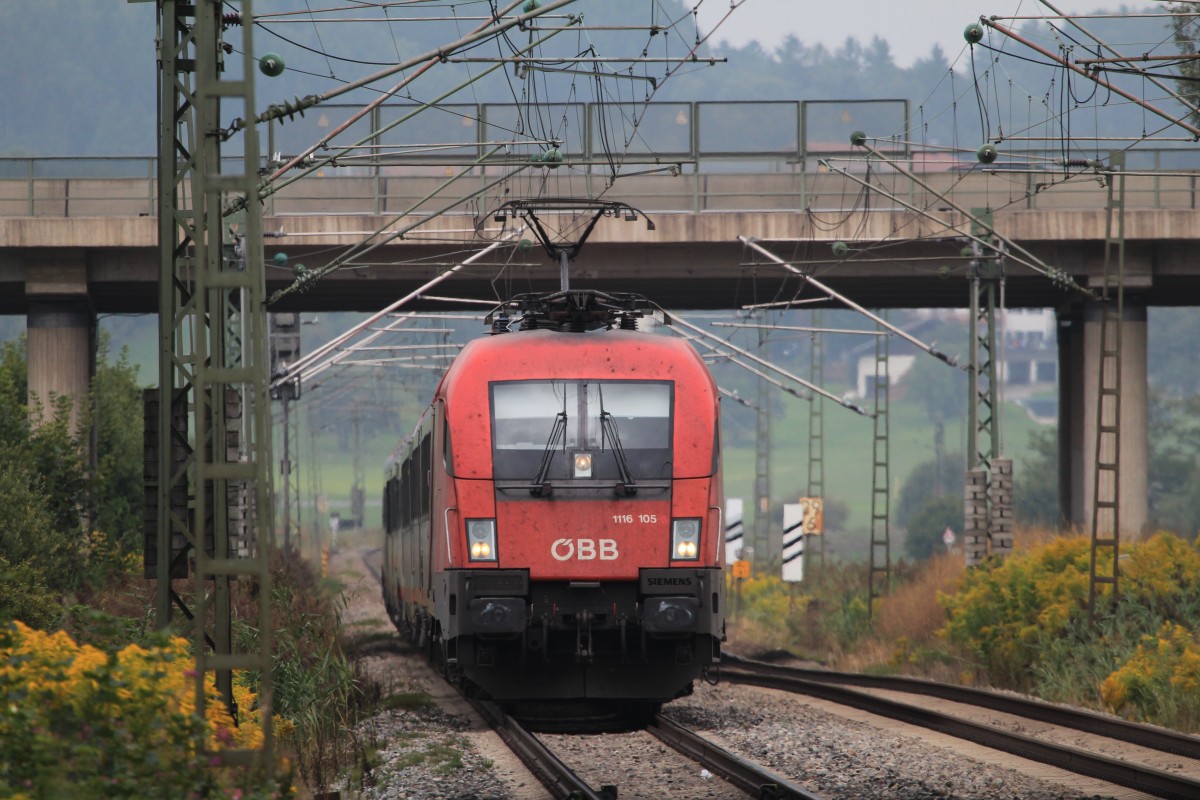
[(584, 549)]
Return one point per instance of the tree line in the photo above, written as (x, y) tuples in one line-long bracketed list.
[(72, 503)]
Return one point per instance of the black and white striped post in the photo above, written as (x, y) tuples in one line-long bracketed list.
[(793, 542), (735, 531)]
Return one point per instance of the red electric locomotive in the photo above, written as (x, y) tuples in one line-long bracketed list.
[(553, 524)]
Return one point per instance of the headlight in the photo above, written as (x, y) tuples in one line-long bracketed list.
[(481, 540), (583, 465), (685, 539)]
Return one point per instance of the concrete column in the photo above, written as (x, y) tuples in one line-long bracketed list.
[(1079, 375), (60, 335), (1070, 417)]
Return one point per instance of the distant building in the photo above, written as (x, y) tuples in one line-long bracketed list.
[(1027, 355), (1030, 350), (897, 368)]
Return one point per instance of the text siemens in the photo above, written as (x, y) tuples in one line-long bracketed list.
[(669, 582)]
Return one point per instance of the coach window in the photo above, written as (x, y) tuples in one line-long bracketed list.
[(423, 480), (387, 506), (447, 457), (406, 493)]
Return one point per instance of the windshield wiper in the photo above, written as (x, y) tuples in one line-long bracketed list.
[(608, 426), (540, 485)]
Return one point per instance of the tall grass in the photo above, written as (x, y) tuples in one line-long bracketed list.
[(319, 693)]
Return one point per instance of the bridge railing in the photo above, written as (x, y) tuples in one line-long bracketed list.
[(706, 156)]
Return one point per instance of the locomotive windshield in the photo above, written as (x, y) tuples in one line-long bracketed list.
[(539, 427)]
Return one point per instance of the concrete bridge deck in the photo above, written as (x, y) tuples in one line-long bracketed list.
[(103, 232)]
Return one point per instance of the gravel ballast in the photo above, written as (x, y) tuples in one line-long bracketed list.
[(436, 748)]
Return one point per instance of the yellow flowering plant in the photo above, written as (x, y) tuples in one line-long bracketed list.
[(1161, 574), (1004, 614), (1161, 680), (76, 721), (1026, 622)]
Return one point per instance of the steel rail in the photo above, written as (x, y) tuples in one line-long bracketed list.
[(1166, 741), (1123, 773), (556, 776), (745, 775)]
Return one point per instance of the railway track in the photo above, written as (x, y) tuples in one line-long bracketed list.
[(833, 686), (559, 779), (372, 559), (563, 782), (746, 775)]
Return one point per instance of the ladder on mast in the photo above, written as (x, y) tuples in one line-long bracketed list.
[(1104, 567)]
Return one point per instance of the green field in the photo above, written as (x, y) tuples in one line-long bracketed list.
[(849, 440), (848, 462)]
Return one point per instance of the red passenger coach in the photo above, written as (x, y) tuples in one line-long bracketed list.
[(553, 525)]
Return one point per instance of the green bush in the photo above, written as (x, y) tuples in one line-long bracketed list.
[(1070, 667), (1026, 623), (1035, 494), (1161, 574), (825, 613), (114, 490), (1006, 613), (318, 693), (47, 491), (928, 524), (24, 595), (29, 537)]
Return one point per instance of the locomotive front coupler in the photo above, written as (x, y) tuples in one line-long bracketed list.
[(583, 637)]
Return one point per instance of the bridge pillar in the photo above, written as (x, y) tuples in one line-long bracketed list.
[(60, 331), (1078, 388)]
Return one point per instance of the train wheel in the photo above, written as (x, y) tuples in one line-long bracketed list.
[(420, 631), (435, 648), (408, 629)]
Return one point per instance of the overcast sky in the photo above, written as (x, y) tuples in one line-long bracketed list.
[(911, 27)]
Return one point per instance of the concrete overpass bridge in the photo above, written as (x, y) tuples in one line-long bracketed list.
[(103, 234), (79, 237)]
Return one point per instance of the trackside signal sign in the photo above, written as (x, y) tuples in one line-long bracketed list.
[(735, 531), (793, 542), (814, 515)]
